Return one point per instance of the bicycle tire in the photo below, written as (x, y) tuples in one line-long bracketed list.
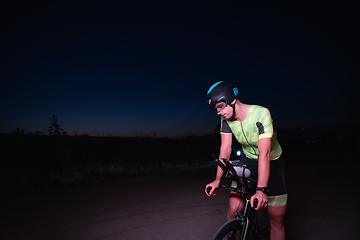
[(238, 229)]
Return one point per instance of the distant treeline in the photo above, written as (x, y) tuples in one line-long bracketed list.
[(37, 162), (34, 163)]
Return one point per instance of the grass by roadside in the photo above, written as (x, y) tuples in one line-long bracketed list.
[(35, 164)]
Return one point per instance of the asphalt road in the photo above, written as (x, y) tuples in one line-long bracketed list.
[(172, 206)]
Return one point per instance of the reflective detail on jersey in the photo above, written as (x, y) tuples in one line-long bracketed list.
[(225, 128), (214, 85), (279, 200), (260, 127)]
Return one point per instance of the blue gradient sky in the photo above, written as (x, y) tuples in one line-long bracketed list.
[(138, 67)]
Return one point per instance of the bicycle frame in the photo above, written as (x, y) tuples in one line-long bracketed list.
[(245, 218), (246, 186)]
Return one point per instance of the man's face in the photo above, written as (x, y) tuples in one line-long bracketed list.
[(224, 110)]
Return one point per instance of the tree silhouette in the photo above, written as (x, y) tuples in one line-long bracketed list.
[(54, 128)]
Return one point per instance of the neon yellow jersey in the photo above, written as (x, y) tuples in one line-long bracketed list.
[(257, 125)]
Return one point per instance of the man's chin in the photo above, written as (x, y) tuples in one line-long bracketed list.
[(228, 117)]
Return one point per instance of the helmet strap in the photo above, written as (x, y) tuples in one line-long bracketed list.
[(233, 107)]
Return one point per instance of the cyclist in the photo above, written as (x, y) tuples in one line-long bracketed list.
[(252, 127)]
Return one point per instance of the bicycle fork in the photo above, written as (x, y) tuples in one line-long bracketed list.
[(247, 217)]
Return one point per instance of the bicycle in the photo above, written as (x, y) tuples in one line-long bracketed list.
[(245, 224)]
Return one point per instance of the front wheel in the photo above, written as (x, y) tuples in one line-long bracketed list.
[(235, 229)]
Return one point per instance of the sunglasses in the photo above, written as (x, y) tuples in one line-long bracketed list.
[(219, 106)]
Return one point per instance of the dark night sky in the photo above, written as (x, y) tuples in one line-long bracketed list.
[(138, 67)]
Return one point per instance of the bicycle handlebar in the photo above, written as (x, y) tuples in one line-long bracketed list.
[(234, 169), (256, 201), (238, 173)]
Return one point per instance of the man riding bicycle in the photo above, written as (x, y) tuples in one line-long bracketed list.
[(252, 127)]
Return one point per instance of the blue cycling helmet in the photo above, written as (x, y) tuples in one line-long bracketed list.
[(221, 92)]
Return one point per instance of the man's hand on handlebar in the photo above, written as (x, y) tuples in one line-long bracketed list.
[(262, 200), (210, 188)]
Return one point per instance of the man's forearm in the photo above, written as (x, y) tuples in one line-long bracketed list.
[(263, 170)]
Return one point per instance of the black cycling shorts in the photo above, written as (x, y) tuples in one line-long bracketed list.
[(276, 183)]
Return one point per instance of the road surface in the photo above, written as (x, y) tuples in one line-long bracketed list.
[(173, 206)]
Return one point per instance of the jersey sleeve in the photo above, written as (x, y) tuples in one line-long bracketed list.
[(225, 128), (265, 124)]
